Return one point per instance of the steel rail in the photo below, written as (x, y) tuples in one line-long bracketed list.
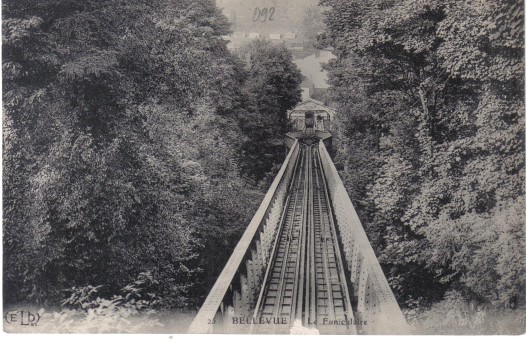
[(278, 235), (299, 283), (289, 233), (306, 253), (340, 265)]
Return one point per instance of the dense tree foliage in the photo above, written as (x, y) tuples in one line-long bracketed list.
[(274, 87), (435, 89), (122, 126), (311, 26)]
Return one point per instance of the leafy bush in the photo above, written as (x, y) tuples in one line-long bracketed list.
[(85, 312), (457, 316)]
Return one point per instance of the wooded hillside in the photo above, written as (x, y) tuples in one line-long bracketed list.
[(125, 146), (431, 143)]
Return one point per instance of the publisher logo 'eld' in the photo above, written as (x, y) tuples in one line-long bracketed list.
[(22, 317)]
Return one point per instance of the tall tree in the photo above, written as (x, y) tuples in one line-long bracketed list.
[(273, 87)]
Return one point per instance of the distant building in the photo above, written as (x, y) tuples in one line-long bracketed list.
[(289, 35), (278, 21)]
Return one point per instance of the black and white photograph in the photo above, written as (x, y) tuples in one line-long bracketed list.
[(263, 167)]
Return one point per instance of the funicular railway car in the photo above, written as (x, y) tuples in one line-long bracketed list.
[(312, 115), (309, 119)]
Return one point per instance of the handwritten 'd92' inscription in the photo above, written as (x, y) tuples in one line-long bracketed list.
[(264, 14)]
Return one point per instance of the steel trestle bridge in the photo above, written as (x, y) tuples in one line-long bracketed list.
[(304, 261)]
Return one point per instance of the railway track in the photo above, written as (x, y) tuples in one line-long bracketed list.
[(304, 282)]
